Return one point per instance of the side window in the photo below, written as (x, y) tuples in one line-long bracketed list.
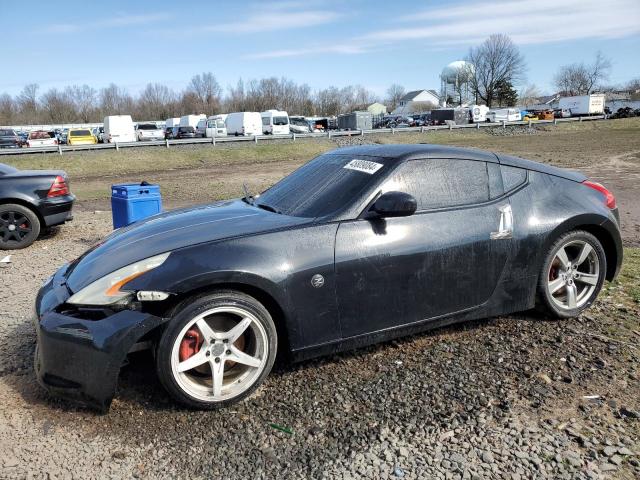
[(512, 177), (266, 121), (441, 183), (496, 186)]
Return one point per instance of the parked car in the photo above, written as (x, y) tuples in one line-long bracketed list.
[(184, 132), (360, 245), (81, 136), (275, 122), (192, 121), (526, 115), (9, 138), (545, 115), (148, 131), (299, 125), (119, 128), (40, 138), (30, 201), (244, 123), (168, 133), (562, 113), (64, 135), (23, 136), (168, 127)]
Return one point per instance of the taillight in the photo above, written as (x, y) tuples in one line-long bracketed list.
[(59, 188), (610, 200)]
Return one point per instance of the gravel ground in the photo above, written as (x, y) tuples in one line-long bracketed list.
[(514, 397)]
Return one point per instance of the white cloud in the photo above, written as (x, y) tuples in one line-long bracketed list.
[(336, 49), (113, 22), (526, 22), (275, 18)]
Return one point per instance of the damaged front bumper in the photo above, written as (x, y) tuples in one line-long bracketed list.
[(79, 351)]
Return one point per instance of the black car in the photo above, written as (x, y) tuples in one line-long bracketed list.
[(358, 246), (30, 201), (9, 138), (185, 132)]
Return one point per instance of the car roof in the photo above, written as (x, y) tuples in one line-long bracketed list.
[(402, 152)]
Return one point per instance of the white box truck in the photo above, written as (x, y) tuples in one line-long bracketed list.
[(479, 113), (244, 123), (119, 128), (191, 120), (583, 104), (275, 122)]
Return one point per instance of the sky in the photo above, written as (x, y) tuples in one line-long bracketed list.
[(373, 43)]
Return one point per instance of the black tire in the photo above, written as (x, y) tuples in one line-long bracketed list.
[(19, 226), (545, 301), (185, 313)]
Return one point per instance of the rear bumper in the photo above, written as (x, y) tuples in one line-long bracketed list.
[(56, 211), (80, 358)]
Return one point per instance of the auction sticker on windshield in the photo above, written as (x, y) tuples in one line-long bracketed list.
[(363, 166)]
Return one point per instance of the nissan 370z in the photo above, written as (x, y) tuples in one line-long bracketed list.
[(358, 246)]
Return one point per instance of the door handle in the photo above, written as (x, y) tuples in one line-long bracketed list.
[(505, 229)]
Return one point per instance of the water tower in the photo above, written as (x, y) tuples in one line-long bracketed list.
[(455, 81)]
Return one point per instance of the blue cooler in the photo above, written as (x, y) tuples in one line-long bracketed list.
[(131, 202)]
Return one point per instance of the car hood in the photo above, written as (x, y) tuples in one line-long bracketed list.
[(170, 231)]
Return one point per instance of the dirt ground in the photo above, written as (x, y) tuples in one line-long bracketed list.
[(517, 397)]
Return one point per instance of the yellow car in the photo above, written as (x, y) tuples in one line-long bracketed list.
[(81, 136)]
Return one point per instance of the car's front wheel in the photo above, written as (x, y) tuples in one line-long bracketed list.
[(217, 350), (572, 274), (19, 227)]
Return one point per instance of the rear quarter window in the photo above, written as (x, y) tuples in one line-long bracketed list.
[(512, 177)]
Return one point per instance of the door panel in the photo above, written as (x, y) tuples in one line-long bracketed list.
[(396, 271)]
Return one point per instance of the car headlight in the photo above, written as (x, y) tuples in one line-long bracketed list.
[(107, 290)]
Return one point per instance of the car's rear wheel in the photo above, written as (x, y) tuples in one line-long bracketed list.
[(572, 275), (19, 227), (217, 350)]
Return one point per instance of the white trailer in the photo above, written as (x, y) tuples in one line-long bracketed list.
[(479, 113), (583, 104)]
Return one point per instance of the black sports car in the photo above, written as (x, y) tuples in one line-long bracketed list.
[(357, 246), (30, 201)]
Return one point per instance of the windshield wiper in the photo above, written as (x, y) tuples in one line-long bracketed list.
[(248, 198), (269, 208)]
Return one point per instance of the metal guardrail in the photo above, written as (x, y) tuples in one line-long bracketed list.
[(60, 149)]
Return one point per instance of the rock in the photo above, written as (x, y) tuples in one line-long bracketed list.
[(544, 378), (607, 467), (616, 460), (609, 451), (487, 457), (624, 451), (398, 472)]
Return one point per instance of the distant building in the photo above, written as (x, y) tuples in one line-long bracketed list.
[(377, 109), (417, 101)]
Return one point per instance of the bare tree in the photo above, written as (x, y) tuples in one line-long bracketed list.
[(582, 79), (394, 94), (83, 98), (8, 110), (529, 95), (207, 90), (156, 101), (28, 103), (496, 60), (58, 106), (114, 100)]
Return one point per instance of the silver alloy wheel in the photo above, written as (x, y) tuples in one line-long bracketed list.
[(573, 274), (231, 355)]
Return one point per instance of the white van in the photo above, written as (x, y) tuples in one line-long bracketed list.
[(119, 128), (214, 126), (504, 114), (244, 123), (275, 122), (479, 113)]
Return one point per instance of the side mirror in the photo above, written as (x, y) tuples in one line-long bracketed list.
[(394, 204)]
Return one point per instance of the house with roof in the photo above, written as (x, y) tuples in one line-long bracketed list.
[(417, 101)]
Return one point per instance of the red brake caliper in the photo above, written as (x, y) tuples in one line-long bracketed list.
[(190, 344)]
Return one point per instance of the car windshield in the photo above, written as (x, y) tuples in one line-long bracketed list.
[(327, 184), (280, 121), (80, 133), (147, 126)]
